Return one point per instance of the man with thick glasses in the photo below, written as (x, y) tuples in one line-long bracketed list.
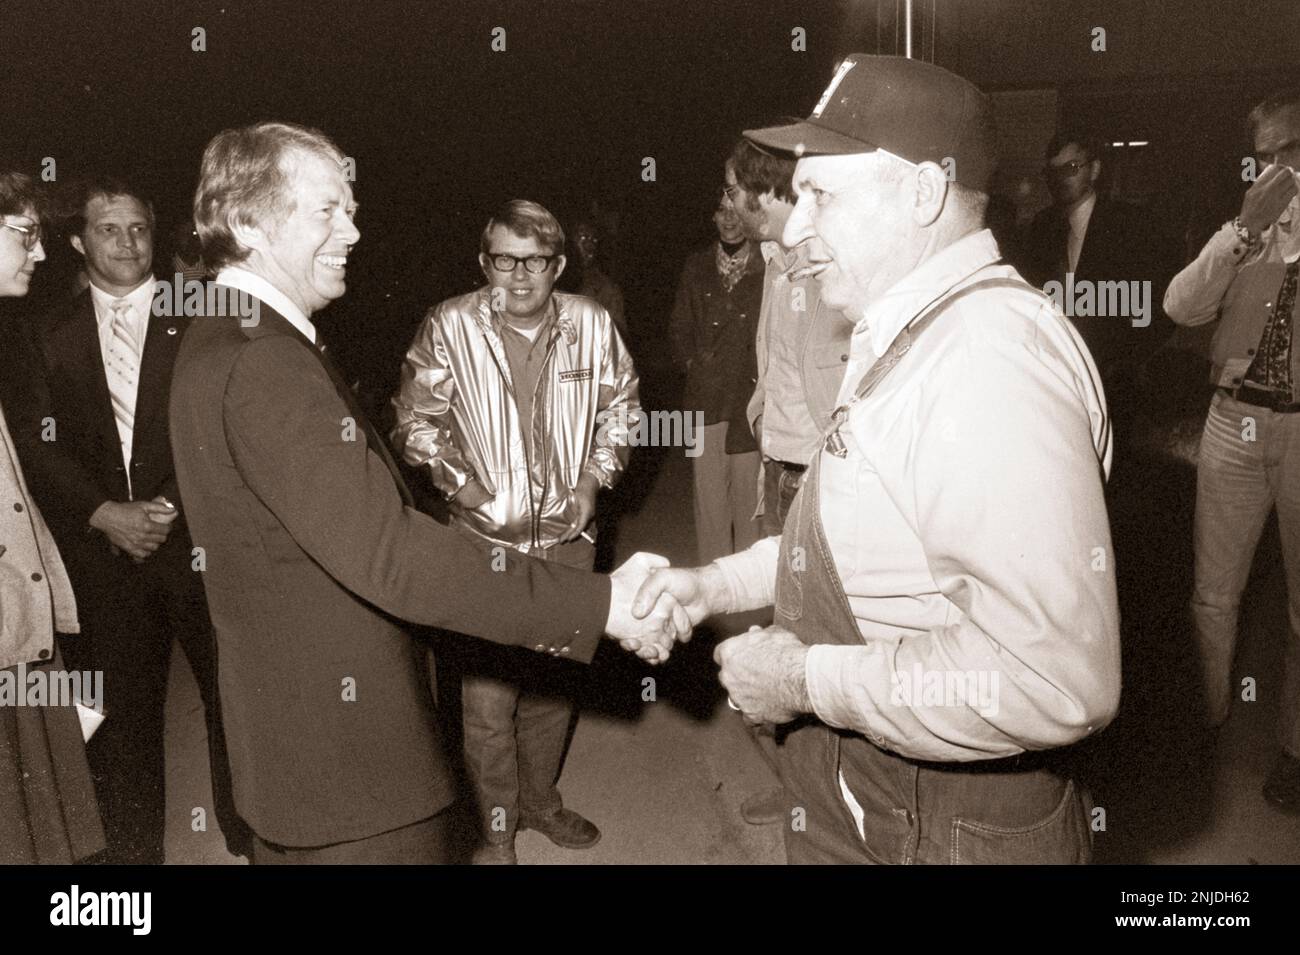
[(518, 399)]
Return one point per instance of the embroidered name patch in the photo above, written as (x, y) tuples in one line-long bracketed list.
[(581, 374)]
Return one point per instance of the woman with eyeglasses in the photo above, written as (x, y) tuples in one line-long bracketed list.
[(48, 812)]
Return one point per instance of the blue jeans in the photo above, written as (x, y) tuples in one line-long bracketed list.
[(1242, 474)]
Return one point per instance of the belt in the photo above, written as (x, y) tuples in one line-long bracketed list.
[(793, 468), (1028, 762), (1261, 398)]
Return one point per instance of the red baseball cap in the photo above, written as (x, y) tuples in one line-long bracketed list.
[(910, 108)]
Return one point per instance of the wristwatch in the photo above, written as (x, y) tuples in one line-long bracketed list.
[(1243, 234)]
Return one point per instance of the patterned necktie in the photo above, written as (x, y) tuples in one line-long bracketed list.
[(123, 371)]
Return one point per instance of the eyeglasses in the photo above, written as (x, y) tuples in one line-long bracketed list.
[(31, 234), (1065, 168), (536, 264)]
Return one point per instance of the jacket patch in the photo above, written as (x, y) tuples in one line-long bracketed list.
[(581, 374)]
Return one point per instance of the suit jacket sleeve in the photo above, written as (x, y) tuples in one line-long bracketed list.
[(336, 497), (67, 493)]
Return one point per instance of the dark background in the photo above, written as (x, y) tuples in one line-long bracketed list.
[(443, 129)]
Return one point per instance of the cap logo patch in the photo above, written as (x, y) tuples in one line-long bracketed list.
[(830, 90)]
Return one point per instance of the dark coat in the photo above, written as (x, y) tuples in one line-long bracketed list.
[(312, 561)]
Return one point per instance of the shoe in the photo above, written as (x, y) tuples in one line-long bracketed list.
[(764, 808), (1282, 788), (496, 853), (565, 828)]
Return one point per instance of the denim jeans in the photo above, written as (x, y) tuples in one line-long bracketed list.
[(779, 489), (1249, 463), (918, 813), (517, 708)]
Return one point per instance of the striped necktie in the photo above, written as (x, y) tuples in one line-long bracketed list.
[(123, 372)]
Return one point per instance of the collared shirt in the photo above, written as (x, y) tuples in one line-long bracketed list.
[(968, 526), (789, 432), (526, 353), (136, 320), (1271, 369), (246, 281), (1079, 218), (141, 301)]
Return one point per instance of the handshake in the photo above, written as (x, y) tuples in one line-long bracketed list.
[(653, 606)]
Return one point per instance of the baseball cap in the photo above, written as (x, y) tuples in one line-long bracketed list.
[(910, 108)]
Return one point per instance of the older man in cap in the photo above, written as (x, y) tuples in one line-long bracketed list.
[(945, 615)]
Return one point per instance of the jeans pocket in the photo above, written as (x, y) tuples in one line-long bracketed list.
[(790, 573), (1060, 839)]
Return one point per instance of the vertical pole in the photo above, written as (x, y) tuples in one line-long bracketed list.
[(907, 29)]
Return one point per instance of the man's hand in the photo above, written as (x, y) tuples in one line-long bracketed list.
[(763, 673), (699, 590), (1267, 199), (584, 502), (472, 495), (136, 527), (651, 634)]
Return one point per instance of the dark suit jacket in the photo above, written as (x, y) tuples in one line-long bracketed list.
[(72, 475), (714, 330), (1120, 245), (311, 554)]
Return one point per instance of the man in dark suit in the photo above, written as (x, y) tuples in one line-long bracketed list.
[(94, 441), (1086, 238), (310, 544)]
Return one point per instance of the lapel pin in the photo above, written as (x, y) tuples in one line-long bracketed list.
[(171, 329)]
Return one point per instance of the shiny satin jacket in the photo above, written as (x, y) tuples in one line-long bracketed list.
[(456, 413)]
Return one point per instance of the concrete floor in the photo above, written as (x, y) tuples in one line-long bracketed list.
[(664, 779)]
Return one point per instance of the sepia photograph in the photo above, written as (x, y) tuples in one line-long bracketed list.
[(650, 433)]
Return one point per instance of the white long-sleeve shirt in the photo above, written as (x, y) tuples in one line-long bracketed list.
[(968, 527)]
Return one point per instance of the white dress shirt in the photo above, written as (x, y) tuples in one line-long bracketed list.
[(968, 525), (246, 281), (137, 323), (1079, 217)]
